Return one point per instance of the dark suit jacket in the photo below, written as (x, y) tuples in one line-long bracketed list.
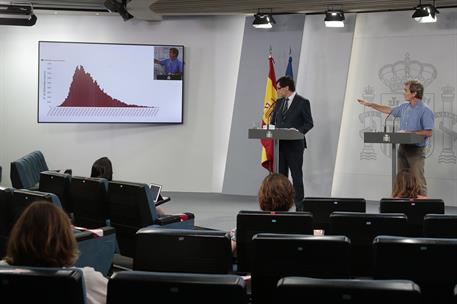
[(298, 115)]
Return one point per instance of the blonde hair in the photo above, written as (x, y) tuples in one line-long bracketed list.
[(407, 185)]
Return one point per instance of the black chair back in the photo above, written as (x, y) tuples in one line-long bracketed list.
[(22, 198), (59, 184), (340, 291), (89, 200), (130, 210), (440, 226), (41, 285), (281, 255), (182, 250), (250, 223), (322, 207), (146, 287), (430, 262), (415, 210), (361, 229), (5, 217)]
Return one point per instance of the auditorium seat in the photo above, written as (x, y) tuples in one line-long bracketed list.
[(132, 208), (361, 229), (322, 207), (346, 291), (440, 226), (183, 250), (96, 251), (414, 209), (22, 198), (249, 223), (5, 205), (25, 172), (89, 200), (430, 262), (59, 184), (41, 285), (281, 255), (154, 287)]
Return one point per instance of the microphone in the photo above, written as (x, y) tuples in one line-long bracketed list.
[(385, 122), (393, 124), (271, 116)]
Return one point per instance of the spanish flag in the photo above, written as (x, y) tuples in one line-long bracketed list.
[(268, 106)]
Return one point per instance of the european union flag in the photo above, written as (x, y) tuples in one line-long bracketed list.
[(289, 71)]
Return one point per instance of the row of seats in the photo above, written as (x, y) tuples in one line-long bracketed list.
[(429, 262), (360, 228), (126, 206), (52, 286), (415, 209), (95, 251)]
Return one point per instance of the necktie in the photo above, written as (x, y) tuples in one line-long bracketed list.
[(285, 106)]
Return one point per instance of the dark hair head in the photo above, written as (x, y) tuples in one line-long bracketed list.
[(407, 185), (416, 87), (102, 168), (286, 81), (175, 51), (42, 237), (276, 193)]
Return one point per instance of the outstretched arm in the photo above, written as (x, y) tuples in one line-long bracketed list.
[(376, 106)]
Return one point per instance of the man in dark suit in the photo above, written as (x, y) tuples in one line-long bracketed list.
[(292, 111)]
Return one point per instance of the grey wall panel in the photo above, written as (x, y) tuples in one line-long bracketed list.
[(243, 172)]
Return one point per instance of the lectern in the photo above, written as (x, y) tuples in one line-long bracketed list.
[(276, 135), (394, 139)]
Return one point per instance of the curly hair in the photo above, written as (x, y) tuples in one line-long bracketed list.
[(407, 185), (415, 87), (276, 193), (42, 237)]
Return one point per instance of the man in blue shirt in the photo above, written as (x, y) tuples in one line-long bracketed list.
[(172, 65), (415, 116)]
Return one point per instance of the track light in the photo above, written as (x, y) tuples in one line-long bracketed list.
[(334, 18), (425, 13), (263, 20), (17, 15), (118, 7)]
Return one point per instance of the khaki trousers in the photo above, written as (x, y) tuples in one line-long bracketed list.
[(412, 157)]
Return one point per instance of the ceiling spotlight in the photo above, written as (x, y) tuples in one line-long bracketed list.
[(334, 19), (263, 20), (17, 15), (425, 13), (118, 7)]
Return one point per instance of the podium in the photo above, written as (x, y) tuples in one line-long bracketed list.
[(394, 139), (276, 135)]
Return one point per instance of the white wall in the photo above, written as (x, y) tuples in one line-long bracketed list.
[(187, 157), (388, 49), (322, 75)]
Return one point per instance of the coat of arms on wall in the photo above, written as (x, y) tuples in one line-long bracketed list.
[(393, 76)]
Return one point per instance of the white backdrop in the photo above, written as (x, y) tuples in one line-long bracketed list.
[(388, 49), (187, 157)]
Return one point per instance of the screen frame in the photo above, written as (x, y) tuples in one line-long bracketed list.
[(108, 122)]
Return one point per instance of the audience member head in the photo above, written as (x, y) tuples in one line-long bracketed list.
[(42, 237), (102, 168), (276, 193), (407, 185)]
